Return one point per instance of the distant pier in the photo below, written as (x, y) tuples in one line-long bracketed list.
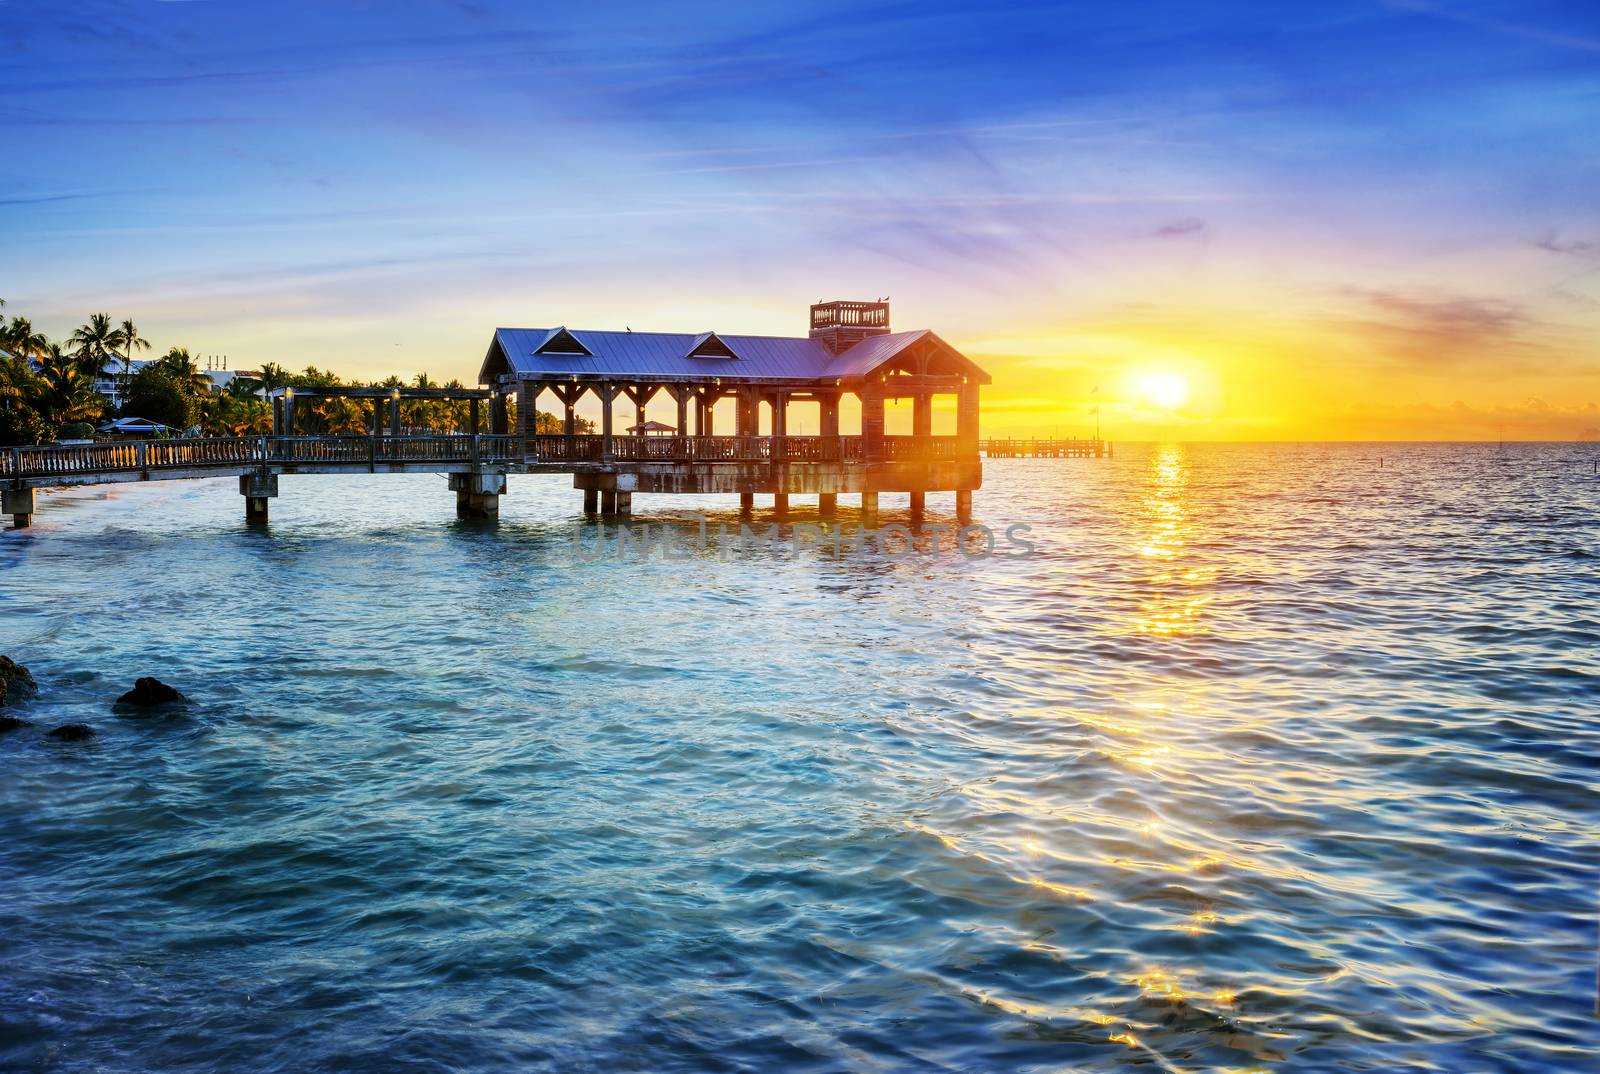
[(1045, 449)]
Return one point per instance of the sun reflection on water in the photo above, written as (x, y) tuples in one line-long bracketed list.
[(1175, 594)]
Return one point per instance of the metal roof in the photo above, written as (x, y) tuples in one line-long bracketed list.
[(667, 355)]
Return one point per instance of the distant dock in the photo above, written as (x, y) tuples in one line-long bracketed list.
[(1045, 449)]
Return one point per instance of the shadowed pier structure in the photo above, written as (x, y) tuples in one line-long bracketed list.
[(753, 381)]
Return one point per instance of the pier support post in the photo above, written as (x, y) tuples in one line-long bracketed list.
[(780, 503), (257, 488), (964, 506), (747, 502), (869, 508), (919, 505), (624, 504), (827, 504), (19, 504), (478, 495), (608, 501), (591, 502)]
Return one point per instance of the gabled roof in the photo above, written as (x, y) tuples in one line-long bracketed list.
[(659, 354), (710, 345), (673, 355), (561, 341)]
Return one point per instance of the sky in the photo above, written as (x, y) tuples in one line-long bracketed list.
[(1228, 221)]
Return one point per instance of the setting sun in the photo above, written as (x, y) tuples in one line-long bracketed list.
[(1165, 390)]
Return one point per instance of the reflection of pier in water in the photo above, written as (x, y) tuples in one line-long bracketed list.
[(849, 351)]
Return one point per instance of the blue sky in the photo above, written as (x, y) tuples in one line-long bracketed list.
[(1405, 190)]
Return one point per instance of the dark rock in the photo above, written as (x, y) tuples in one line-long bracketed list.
[(148, 693), (73, 732), (15, 682), (11, 723)]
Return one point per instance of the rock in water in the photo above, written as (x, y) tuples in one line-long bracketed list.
[(11, 723), (15, 682), (148, 693), (73, 732)]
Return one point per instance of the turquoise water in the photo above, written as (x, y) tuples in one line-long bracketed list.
[(1267, 760)]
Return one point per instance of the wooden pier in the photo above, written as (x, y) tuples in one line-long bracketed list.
[(1045, 449), (849, 351)]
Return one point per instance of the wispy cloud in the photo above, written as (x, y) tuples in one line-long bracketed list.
[(1188, 225), (1557, 245)]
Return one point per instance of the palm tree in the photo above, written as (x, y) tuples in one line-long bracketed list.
[(21, 341), (180, 365), (420, 412), (69, 387), (243, 388), (131, 341), (94, 342), (249, 417)]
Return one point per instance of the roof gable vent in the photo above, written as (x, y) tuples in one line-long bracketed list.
[(710, 345), (560, 341)]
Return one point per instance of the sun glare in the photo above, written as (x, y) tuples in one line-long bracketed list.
[(1165, 390)]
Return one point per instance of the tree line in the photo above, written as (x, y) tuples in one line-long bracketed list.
[(58, 399)]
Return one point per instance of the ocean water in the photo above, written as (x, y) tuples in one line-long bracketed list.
[(1267, 758)]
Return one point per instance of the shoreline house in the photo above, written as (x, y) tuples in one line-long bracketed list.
[(849, 350)]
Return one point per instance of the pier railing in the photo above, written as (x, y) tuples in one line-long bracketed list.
[(233, 452), (590, 447)]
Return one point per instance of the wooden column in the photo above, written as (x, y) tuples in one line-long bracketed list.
[(708, 414), (277, 416), (741, 416), (872, 422), (475, 416), (922, 414), (608, 392), (922, 429), (569, 419), (498, 418), (830, 415), (394, 415), (681, 395), (967, 418), (288, 415), (526, 397)]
